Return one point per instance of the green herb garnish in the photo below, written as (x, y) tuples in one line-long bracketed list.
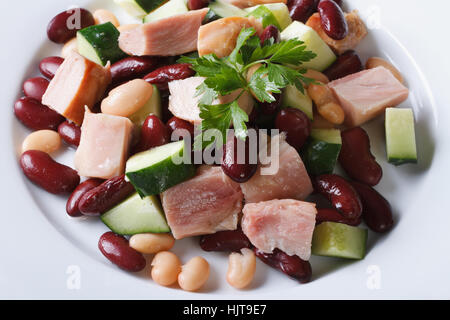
[(279, 68)]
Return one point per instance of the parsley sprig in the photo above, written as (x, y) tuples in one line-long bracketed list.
[(280, 67)]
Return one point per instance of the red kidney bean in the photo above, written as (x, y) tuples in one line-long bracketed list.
[(293, 266), (332, 19), (296, 125), (356, 159), (340, 192), (346, 64), (225, 241), (197, 4), (65, 25), (235, 165), (175, 123), (49, 66), (74, 200), (377, 212), (154, 133), (332, 215), (117, 250), (35, 115), (162, 76), (104, 197), (301, 10), (70, 133), (270, 108), (50, 175), (270, 32), (132, 68), (35, 87)]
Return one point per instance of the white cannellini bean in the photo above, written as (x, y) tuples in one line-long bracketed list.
[(241, 268), (71, 45), (127, 99), (43, 140), (165, 268), (150, 243), (194, 274), (102, 16)]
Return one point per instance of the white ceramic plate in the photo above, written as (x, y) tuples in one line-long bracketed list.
[(46, 254)]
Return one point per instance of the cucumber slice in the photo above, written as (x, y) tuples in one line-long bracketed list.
[(339, 240), (266, 16), (322, 151), (156, 170), (136, 215), (279, 10), (100, 43), (152, 106), (171, 8), (140, 8), (325, 56), (294, 98), (224, 9), (210, 17), (400, 136)]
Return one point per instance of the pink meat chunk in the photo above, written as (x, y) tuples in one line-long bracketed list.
[(166, 37), (290, 181), (251, 3), (205, 204), (366, 94), (284, 224), (78, 82), (104, 145), (183, 100)]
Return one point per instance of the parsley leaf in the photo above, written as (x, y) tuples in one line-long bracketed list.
[(279, 66)]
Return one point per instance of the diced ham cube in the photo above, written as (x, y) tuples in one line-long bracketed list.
[(251, 3), (104, 145), (284, 224), (78, 82), (205, 204), (366, 94), (356, 32), (165, 37), (183, 102), (219, 37), (291, 181)]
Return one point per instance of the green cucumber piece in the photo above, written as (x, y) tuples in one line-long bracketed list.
[(322, 151), (266, 16), (171, 8), (339, 240), (210, 17), (294, 98), (325, 56), (224, 9), (280, 12), (153, 106), (156, 170), (400, 136), (140, 8), (136, 215), (100, 43)]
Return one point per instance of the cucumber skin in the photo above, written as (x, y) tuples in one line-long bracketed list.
[(150, 5), (400, 161), (136, 231), (110, 36), (267, 17), (320, 157), (160, 177)]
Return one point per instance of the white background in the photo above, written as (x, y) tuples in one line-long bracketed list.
[(37, 250)]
